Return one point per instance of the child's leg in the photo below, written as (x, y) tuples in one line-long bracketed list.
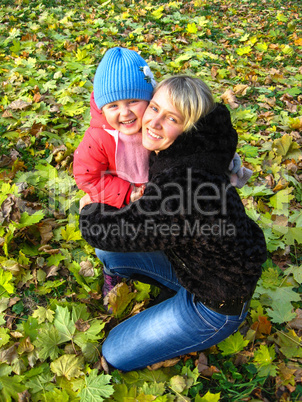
[(172, 328), (136, 265)]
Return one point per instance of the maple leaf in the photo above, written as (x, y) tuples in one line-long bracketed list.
[(69, 366), (47, 342), (119, 298), (42, 314), (64, 324), (208, 397), (233, 344), (290, 344), (263, 359), (96, 387)]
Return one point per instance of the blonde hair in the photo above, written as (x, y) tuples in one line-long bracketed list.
[(190, 96)]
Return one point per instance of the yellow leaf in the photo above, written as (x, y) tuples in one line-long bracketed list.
[(69, 366)]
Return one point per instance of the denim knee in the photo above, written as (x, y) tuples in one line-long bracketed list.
[(100, 254)]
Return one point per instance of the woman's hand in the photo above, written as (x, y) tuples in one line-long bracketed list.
[(137, 193), (84, 201)]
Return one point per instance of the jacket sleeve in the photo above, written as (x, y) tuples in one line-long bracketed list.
[(154, 222), (90, 169)]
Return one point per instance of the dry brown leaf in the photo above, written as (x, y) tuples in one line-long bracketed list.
[(296, 323), (82, 325), (45, 228), (12, 301), (24, 396), (86, 269), (165, 363), (240, 89), (7, 113), (19, 105), (52, 271), (229, 98), (9, 355), (10, 210), (49, 250)]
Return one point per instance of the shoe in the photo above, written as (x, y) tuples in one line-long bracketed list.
[(109, 283)]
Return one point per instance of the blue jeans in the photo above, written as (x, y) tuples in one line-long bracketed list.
[(177, 326)]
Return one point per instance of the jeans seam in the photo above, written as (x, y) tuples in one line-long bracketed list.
[(142, 271)]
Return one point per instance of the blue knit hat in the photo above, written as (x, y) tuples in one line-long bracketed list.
[(122, 74)]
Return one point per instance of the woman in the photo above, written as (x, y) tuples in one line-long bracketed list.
[(189, 232)]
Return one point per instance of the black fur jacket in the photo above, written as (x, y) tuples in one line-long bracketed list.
[(191, 212)]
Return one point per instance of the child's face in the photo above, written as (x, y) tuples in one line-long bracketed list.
[(125, 115)]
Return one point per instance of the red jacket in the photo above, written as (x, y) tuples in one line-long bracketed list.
[(94, 165)]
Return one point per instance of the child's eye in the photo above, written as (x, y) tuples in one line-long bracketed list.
[(133, 101)]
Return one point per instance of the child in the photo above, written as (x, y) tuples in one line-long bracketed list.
[(110, 164)]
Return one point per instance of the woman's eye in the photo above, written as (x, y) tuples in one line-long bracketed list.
[(153, 108), (172, 119)]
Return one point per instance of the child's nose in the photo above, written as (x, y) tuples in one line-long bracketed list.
[(125, 110)]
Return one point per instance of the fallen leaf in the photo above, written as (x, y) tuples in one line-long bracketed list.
[(19, 105), (165, 363), (296, 323), (82, 325), (229, 98), (52, 271), (10, 210), (262, 327), (240, 89), (86, 269)]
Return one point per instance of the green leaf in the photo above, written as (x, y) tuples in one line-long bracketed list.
[(296, 272), (263, 358), (30, 327), (233, 344), (47, 342), (42, 314), (270, 278), (208, 397), (64, 324), (55, 259), (5, 282), (143, 291), (29, 220), (57, 395), (4, 336), (69, 366), (40, 383), (10, 387), (96, 387), (290, 344), (178, 384), (281, 312)]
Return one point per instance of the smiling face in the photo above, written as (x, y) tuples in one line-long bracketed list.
[(162, 122), (125, 115)]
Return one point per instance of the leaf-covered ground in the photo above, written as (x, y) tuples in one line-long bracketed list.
[(52, 320)]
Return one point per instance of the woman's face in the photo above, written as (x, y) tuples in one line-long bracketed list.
[(162, 123)]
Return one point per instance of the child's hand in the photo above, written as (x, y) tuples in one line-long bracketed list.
[(137, 193), (84, 201)]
